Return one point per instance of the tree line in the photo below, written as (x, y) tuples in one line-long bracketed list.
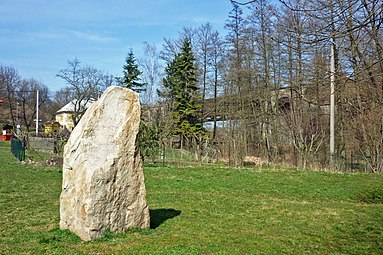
[(265, 85), (19, 98), (263, 88)]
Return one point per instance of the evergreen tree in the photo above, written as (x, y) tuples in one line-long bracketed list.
[(181, 89), (131, 78)]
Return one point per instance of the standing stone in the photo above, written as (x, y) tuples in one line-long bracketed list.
[(103, 182)]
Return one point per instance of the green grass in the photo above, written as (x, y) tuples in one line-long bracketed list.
[(205, 210), (177, 155), (38, 156)]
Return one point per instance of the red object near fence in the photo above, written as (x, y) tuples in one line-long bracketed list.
[(7, 132)]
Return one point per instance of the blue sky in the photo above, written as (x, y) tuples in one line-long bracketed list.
[(38, 37)]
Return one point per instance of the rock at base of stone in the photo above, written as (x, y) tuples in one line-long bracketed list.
[(103, 182)]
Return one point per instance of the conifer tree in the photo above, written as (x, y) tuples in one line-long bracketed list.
[(181, 89), (131, 78)]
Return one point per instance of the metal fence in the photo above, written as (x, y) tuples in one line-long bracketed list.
[(43, 144), (18, 148)]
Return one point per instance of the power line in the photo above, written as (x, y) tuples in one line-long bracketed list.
[(249, 2), (19, 91)]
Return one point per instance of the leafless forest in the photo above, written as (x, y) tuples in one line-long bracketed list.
[(266, 84)]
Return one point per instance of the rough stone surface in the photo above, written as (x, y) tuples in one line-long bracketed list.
[(103, 182)]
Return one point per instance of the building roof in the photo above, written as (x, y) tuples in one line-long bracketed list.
[(69, 107)]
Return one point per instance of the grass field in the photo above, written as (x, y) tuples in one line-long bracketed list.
[(205, 210)]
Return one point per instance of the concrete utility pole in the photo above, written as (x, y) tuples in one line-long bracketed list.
[(37, 113), (332, 104)]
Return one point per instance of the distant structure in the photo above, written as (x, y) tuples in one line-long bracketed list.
[(6, 132), (64, 116), (51, 128)]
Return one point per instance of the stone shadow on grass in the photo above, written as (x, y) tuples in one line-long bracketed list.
[(159, 216)]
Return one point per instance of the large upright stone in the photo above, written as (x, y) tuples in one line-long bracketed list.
[(103, 182)]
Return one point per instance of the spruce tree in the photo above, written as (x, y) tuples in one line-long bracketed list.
[(181, 88), (131, 78)]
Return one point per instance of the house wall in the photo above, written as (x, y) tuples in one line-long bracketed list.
[(65, 120)]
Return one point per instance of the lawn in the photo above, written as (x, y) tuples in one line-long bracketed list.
[(205, 210)]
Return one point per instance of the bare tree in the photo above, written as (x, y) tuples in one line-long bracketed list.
[(86, 83), (151, 71), (9, 79), (217, 56), (26, 100)]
